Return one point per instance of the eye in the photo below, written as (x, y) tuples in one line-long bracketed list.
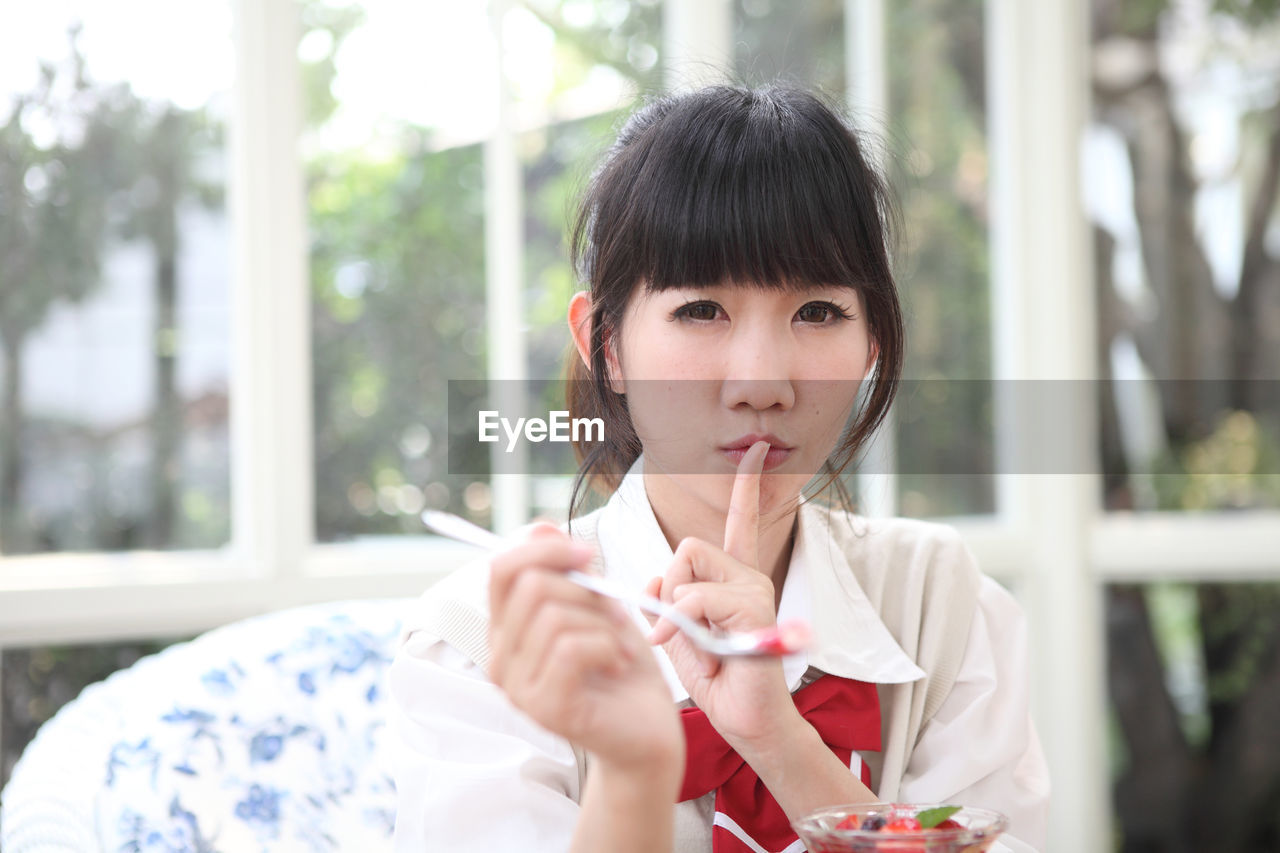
[(700, 311), (822, 313)]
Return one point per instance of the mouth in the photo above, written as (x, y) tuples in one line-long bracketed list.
[(779, 451)]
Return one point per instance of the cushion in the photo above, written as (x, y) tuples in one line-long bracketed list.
[(266, 734)]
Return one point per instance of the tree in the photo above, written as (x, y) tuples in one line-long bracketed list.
[(1218, 355), (120, 167), (398, 277), (54, 203), (160, 176)]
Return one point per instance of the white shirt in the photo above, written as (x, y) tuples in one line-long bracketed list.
[(475, 774)]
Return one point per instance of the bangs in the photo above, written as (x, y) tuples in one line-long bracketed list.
[(763, 188)]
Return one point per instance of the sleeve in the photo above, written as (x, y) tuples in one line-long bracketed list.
[(472, 772), (981, 747)]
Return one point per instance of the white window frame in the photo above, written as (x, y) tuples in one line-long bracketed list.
[(1050, 539)]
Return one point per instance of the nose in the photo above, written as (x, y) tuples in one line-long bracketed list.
[(758, 371)]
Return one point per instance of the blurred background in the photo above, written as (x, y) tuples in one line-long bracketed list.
[(244, 246)]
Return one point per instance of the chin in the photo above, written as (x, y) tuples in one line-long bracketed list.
[(780, 492)]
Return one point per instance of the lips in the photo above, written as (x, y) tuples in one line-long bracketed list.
[(779, 451)]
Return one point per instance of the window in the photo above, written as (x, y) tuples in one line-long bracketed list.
[(115, 304), (232, 390), (1181, 184), (1181, 158)]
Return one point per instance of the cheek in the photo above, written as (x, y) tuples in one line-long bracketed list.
[(671, 413), (826, 406), (848, 359), (661, 357)]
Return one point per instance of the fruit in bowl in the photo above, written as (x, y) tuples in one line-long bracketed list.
[(900, 828)]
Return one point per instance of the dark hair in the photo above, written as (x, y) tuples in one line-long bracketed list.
[(762, 186)]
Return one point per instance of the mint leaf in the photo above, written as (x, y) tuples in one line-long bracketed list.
[(929, 818)]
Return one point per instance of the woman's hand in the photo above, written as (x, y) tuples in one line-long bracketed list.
[(576, 663), (746, 699)]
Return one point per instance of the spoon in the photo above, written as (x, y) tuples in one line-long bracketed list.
[(774, 641)]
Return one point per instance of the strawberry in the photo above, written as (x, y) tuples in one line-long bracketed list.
[(850, 822), (903, 824)]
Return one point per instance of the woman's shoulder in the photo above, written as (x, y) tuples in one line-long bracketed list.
[(902, 565)]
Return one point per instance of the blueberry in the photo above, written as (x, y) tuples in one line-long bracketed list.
[(874, 822)]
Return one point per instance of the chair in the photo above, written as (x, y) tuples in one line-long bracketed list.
[(264, 735)]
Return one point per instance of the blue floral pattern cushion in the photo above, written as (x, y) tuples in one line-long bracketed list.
[(264, 735)]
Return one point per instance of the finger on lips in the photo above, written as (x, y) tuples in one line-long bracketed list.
[(698, 560), (742, 524), (697, 578)]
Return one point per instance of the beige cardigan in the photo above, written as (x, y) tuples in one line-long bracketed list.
[(921, 579)]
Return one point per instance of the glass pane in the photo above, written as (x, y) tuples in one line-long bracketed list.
[(801, 43), (395, 191), (396, 199), (36, 682), (114, 277), (1181, 169), (603, 55), (1194, 679), (938, 166)]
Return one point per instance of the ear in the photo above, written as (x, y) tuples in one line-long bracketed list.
[(580, 329), (873, 354)]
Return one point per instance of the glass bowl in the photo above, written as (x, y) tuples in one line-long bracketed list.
[(820, 830)]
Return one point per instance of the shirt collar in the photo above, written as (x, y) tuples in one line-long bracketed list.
[(849, 639)]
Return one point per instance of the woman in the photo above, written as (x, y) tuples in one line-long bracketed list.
[(736, 245)]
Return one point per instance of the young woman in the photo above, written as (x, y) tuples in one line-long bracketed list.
[(736, 247)]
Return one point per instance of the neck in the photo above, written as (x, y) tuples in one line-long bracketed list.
[(681, 513)]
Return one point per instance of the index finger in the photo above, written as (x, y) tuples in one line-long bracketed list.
[(742, 525)]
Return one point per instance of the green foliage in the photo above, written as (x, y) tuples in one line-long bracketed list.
[(616, 34), (556, 169), (397, 275), (938, 167), (1254, 13), (1235, 467), (85, 163), (53, 198), (1139, 17)]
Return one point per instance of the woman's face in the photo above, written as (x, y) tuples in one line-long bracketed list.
[(709, 370)]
